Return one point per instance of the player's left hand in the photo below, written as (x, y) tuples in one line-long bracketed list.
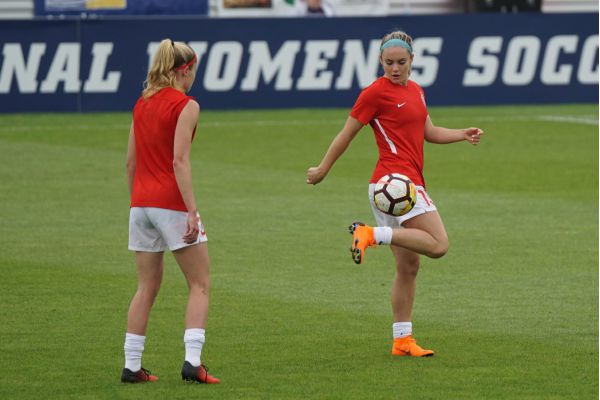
[(193, 227), (473, 135)]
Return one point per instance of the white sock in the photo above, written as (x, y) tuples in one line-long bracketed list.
[(134, 347), (383, 234), (402, 329), (194, 340)]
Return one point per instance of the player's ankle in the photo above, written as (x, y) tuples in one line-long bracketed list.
[(382, 234)]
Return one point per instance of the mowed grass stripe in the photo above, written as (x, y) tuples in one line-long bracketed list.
[(569, 119)]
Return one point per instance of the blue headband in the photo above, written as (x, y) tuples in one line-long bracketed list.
[(396, 43)]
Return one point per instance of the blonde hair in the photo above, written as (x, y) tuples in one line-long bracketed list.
[(169, 56), (397, 35)]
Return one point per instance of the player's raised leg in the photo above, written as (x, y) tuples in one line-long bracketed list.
[(424, 234), (150, 272), (194, 263)]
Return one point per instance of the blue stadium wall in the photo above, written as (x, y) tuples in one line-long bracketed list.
[(100, 64)]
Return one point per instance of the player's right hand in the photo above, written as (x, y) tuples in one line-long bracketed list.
[(314, 175)]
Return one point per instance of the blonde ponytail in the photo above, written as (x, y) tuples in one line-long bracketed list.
[(169, 56)]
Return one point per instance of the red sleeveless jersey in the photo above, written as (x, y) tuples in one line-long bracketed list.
[(397, 115), (154, 122)]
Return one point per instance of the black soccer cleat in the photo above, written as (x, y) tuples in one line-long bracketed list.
[(199, 374), (141, 376)]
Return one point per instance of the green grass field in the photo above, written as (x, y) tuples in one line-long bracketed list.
[(511, 310)]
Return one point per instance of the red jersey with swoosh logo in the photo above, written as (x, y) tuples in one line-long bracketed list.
[(154, 122), (397, 115)]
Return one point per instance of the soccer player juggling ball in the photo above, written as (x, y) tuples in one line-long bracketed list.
[(395, 108), (163, 212)]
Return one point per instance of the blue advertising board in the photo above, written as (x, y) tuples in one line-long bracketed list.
[(92, 8), (100, 64)]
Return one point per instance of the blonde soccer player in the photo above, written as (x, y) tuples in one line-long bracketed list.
[(164, 213), (395, 108)]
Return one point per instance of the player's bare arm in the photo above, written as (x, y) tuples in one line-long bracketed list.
[(337, 147), (441, 135), (130, 164), (182, 168)]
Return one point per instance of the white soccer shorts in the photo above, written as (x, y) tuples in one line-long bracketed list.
[(422, 205), (157, 229)]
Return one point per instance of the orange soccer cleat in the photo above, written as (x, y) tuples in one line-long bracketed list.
[(141, 376), (362, 237), (407, 346), (197, 374)]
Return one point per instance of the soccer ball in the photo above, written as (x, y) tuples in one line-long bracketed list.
[(395, 194)]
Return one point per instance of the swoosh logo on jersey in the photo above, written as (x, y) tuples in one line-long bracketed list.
[(400, 105)]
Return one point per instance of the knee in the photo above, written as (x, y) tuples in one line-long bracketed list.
[(148, 292), (440, 249), (201, 286)]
